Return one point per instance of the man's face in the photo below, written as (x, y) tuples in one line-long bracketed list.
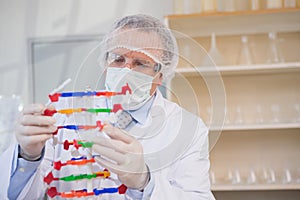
[(137, 61)]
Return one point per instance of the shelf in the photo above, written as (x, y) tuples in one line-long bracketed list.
[(246, 127), (240, 70), (235, 23), (255, 187), (234, 13), (247, 145)]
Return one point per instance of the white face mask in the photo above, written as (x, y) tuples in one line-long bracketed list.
[(139, 83)]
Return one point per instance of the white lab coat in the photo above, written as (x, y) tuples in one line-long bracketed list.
[(175, 144)]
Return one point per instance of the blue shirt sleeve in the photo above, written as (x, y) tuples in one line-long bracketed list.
[(22, 170), (146, 194)]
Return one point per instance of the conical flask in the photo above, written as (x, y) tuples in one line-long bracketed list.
[(274, 54), (245, 56), (213, 57)]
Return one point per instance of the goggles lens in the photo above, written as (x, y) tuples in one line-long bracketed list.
[(137, 64)]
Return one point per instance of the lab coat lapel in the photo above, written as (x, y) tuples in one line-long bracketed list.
[(167, 133)]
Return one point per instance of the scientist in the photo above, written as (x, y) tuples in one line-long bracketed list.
[(159, 152)]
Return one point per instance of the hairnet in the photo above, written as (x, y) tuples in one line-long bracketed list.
[(146, 34)]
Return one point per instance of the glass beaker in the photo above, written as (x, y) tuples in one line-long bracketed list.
[(9, 107)]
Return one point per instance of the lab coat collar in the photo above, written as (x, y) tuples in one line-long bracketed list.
[(140, 115)]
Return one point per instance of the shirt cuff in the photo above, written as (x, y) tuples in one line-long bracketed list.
[(22, 165), (147, 192), (22, 171), (149, 188)]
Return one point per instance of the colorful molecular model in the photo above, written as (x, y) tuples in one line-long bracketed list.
[(86, 161)]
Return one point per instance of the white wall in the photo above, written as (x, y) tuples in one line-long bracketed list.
[(21, 20)]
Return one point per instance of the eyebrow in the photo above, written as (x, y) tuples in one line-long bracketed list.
[(134, 57)]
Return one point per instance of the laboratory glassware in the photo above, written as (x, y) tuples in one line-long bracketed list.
[(238, 117), (213, 57), (297, 112), (259, 117), (245, 56), (275, 108), (286, 176), (255, 4), (234, 177), (241, 5), (251, 179), (273, 4), (289, 3), (269, 176), (192, 6), (274, 54), (209, 5), (226, 6)]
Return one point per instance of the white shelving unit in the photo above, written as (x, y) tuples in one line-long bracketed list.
[(255, 187), (240, 70), (235, 23), (244, 127), (260, 129)]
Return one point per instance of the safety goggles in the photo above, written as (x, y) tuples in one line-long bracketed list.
[(137, 64)]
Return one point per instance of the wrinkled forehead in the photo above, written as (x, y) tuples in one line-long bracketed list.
[(147, 42), (132, 54)]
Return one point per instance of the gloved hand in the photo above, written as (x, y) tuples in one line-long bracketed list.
[(33, 130), (122, 154)]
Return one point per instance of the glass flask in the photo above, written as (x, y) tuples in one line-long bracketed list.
[(290, 3), (226, 6), (297, 112), (274, 4), (255, 5), (259, 115), (192, 6), (245, 56), (241, 5), (234, 177), (276, 113), (239, 116), (209, 5), (251, 179), (213, 57), (274, 54)]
